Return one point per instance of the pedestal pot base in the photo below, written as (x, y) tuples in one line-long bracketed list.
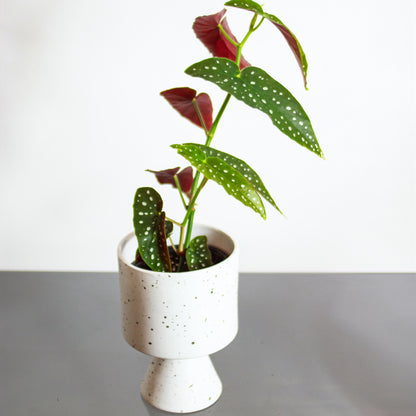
[(181, 386)]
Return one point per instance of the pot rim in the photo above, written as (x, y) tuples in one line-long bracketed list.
[(131, 235)]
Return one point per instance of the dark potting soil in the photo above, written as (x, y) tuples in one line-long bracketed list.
[(217, 256)]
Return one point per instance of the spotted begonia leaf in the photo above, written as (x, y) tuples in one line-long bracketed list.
[(184, 99), (149, 226), (242, 167), (167, 176), (259, 90), (224, 174), (198, 255), (288, 35), (208, 32)]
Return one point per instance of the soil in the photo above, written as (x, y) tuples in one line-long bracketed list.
[(217, 256)]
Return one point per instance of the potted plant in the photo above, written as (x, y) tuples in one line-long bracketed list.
[(179, 301)]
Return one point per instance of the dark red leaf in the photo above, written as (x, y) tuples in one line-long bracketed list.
[(293, 44), (165, 176), (181, 99), (207, 31), (185, 178)]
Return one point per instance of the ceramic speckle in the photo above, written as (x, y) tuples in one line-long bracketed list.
[(180, 318)]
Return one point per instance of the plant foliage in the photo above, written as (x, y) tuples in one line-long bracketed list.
[(232, 73)]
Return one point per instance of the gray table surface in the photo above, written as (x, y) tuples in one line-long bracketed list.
[(309, 344)]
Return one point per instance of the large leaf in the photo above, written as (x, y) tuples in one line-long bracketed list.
[(259, 90), (184, 99), (241, 167), (224, 174), (149, 226), (288, 35), (207, 31), (198, 255)]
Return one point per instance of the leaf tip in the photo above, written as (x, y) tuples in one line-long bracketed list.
[(280, 211)]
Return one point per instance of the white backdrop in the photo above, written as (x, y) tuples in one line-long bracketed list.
[(81, 118)]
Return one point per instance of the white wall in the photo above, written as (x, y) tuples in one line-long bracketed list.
[(81, 118)]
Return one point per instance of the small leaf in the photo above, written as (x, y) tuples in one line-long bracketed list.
[(224, 174), (168, 228), (288, 35), (182, 100), (207, 31), (241, 167), (186, 180), (198, 255), (167, 176), (293, 44), (149, 225), (259, 90)]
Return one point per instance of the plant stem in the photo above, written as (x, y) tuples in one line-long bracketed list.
[(196, 189), (232, 41), (201, 119), (188, 220), (175, 222), (211, 134), (208, 141), (193, 200), (261, 21), (189, 213), (178, 185), (172, 244)]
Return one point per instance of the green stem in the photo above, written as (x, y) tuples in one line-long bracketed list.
[(189, 230), (193, 201), (208, 141), (261, 21), (172, 244), (217, 120), (178, 185), (189, 219), (227, 35), (181, 240), (196, 189), (189, 213), (240, 46), (201, 119), (175, 222)]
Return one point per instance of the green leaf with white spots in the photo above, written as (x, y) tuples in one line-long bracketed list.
[(242, 167), (259, 90), (224, 174), (198, 255), (285, 31), (149, 226), (246, 5)]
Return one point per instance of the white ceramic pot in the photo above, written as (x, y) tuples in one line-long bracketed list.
[(180, 319)]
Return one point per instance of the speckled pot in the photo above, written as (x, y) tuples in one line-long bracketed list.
[(179, 319)]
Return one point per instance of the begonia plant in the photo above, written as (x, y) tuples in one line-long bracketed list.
[(231, 72)]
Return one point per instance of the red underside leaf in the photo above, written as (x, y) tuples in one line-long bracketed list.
[(185, 178), (207, 31), (165, 176), (182, 100), (294, 46)]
